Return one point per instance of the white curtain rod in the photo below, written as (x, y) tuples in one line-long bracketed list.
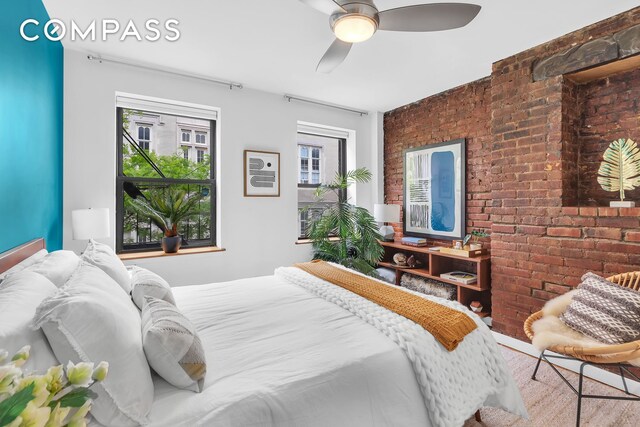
[(101, 59), (325, 104)]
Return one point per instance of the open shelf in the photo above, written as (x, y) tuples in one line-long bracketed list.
[(433, 263)]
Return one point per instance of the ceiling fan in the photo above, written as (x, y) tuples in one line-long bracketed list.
[(355, 21)]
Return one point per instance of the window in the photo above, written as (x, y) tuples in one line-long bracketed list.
[(201, 138), (320, 158), (150, 179), (144, 137), (186, 136)]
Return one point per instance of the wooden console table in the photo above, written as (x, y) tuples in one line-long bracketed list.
[(434, 263)]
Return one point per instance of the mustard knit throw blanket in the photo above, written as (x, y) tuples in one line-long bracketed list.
[(447, 325)]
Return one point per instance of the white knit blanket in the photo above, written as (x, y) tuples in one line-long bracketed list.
[(454, 384)]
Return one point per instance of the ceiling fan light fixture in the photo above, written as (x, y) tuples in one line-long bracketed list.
[(354, 28)]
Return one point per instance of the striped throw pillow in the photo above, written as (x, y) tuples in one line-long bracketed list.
[(604, 311)]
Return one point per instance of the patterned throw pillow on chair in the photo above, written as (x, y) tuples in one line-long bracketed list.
[(604, 311)]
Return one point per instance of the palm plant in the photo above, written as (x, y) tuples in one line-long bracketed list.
[(167, 208), (344, 233)]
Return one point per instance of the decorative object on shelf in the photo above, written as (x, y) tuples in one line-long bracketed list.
[(261, 174), (466, 252), (56, 398), (457, 244), (411, 261), (429, 287), (414, 241), (386, 214), (357, 245), (400, 259), (87, 224), (434, 190), (461, 277), (167, 208), (476, 235), (475, 306), (620, 170), (386, 274)]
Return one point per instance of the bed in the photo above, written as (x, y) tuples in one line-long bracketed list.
[(280, 355)]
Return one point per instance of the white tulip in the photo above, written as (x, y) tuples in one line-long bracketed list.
[(80, 374)]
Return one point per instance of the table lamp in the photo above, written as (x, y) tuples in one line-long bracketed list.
[(89, 224), (386, 214)]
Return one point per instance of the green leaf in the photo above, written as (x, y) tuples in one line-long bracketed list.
[(13, 406), (75, 398)]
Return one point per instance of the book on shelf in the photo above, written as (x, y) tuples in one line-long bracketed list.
[(413, 241), (461, 277), (416, 245)]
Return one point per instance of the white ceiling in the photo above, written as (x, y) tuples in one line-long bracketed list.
[(275, 45)]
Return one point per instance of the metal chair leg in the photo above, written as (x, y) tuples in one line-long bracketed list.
[(624, 381), (535, 371), (580, 393)]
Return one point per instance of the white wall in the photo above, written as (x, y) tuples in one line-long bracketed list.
[(258, 234)]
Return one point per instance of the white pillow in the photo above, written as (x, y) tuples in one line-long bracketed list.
[(172, 345), (20, 295), (90, 319), (24, 263), (57, 266), (147, 283), (103, 257)]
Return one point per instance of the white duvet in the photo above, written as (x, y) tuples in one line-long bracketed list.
[(279, 355)]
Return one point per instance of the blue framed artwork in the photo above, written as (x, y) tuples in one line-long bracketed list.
[(434, 190)]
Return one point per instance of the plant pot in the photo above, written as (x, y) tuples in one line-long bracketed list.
[(170, 245)]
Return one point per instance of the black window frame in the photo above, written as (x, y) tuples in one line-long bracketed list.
[(121, 179), (342, 169)]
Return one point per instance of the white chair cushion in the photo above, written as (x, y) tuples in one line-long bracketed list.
[(90, 319)]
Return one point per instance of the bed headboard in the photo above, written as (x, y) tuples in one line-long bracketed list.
[(18, 254)]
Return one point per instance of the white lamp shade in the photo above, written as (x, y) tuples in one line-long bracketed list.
[(386, 213), (90, 223)]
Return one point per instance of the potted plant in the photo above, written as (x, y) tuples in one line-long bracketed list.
[(167, 208), (476, 235), (345, 233)]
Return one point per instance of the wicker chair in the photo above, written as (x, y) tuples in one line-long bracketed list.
[(617, 355)]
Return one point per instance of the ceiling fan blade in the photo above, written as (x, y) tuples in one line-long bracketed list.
[(325, 6), (334, 56), (428, 17)]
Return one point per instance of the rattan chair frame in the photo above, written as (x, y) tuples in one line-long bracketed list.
[(617, 355)]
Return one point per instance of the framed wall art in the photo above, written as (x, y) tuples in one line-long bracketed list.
[(434, 190), (261, 174)]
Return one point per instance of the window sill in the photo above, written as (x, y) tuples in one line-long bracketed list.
[(309, 241), (159, 254)]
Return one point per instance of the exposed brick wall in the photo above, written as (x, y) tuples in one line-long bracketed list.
[(609, 110), (463, 112), (525, 168)]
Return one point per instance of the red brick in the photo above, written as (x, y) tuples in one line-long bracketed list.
[(501, 228), (632, 236), (564, 232)]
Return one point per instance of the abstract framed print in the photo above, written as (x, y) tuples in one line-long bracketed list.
[(261, 174), (434, 190)]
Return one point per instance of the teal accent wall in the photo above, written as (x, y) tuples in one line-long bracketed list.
[(31, 110)]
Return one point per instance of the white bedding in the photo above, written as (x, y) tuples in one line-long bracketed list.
[(278, 355)]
